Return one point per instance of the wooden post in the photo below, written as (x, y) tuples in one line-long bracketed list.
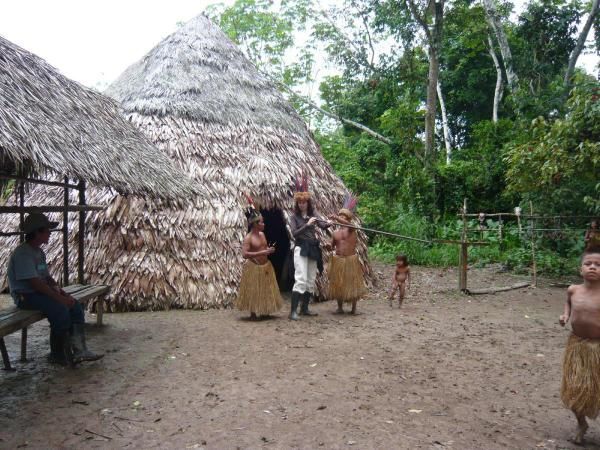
[(65, 234), (5, 357), (100, 310), (534, 275), (24, 344), (463, 257), (21, 214), (500, 227), (81, 240)]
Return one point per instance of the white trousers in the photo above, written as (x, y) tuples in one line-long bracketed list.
[(305, 273)]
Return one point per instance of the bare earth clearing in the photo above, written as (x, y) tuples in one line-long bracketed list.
[(445, 371)]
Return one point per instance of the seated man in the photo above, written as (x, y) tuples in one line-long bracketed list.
[(32, 287)]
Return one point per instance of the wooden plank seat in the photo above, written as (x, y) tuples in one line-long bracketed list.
[(13, 319)]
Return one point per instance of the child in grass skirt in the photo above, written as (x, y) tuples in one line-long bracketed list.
[(580, 389), (346, 279), (259, 292)]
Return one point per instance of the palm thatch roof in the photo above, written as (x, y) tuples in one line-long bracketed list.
[(200, 101), (49, 123)]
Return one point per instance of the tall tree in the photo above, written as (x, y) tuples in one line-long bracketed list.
[(430, 17), (499, 82)]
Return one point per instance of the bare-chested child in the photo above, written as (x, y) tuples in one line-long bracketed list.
[(259, 292), (580, 389), (401, 280), (346, 280)]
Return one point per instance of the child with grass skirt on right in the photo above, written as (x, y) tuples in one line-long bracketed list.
[(580, 389)]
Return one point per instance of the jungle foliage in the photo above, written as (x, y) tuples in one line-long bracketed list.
[(370, 61)]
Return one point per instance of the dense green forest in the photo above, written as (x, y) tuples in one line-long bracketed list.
[(419, 105)]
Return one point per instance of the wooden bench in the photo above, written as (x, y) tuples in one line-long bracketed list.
[(13, 319)]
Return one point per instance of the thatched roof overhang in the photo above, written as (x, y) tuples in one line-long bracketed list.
[(51, 124)]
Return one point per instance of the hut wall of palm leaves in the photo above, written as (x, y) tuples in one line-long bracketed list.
[(197, 98)]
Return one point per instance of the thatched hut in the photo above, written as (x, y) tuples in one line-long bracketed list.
[(51, 124), (54, 131), (205, 105)]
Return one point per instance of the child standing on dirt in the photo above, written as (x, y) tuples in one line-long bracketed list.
[(259, 292), (346, 279), (401, 280), (580, 389)]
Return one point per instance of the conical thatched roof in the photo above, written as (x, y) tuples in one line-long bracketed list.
[(205, 105), (51, 123)]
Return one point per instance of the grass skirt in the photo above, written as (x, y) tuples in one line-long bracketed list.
[(580, 389), (346, 279), (259, 292)]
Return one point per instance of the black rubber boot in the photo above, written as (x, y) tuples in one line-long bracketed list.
[(57, 350), (295, 301), (80, 350), (304, 309)]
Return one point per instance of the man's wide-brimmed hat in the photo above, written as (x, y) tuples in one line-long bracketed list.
[(37, 221)]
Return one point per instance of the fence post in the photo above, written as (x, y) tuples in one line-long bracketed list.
[(532, 221), (463, 256)]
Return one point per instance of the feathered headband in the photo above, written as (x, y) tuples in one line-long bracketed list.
[(302, 193), (350, 202), (252, 215)]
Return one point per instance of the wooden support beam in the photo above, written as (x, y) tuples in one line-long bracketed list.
[(36, 181), (20, 233), (65, 234), (81, 229), (59, 209), (21, 212)]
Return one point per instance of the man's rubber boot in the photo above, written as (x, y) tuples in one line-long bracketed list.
[(80, 350), (295, 301), (304, 309), (57, 351)]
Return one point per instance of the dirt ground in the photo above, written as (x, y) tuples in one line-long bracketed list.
[(446, 372)]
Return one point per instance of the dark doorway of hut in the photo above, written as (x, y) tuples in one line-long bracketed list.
[(276, 234)]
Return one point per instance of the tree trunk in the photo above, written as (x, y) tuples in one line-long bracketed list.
[(581, 43), (445, 127), (434, 70), (499, 84), (434, 41), (494, 22)]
